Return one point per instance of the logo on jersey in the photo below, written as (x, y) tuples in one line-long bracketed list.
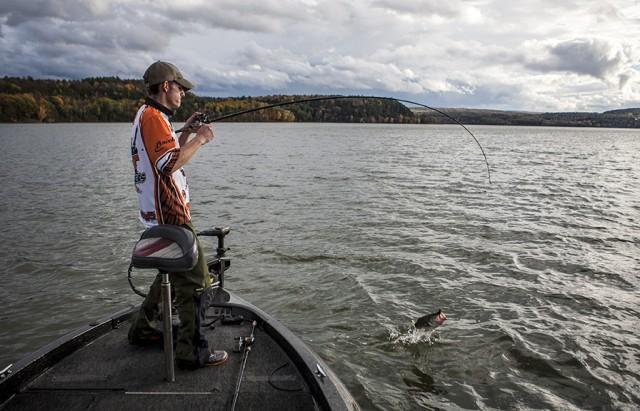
[(148, 216), (159, 144), (140, 177)]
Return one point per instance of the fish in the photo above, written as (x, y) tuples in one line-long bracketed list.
[(431, 320)]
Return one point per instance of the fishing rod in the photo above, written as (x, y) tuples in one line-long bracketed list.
[(244, 345), (205, 119)]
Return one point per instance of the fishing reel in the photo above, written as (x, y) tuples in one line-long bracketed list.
[(244, 343), (202, 118), (198, 120)]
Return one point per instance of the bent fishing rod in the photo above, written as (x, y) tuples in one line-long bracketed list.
[(204, 118)]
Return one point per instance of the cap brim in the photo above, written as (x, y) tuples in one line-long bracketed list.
[(184, 83)]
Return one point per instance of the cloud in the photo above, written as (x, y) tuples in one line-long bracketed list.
[(437, 11), (261, 16), (20, 11), (594, 57), (488, 53), (281, 69)]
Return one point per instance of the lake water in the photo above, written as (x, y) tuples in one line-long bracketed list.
[(347, 233)]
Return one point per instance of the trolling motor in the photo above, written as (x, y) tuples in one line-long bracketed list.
[(219, 264)]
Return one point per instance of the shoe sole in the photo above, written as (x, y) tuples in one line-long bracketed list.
[(218, 362)]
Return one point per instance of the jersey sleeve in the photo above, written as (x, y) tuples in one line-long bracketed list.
[(162, 148)]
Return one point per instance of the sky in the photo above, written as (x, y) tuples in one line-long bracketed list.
[(544, 55)]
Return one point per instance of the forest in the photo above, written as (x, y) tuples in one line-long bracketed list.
[(111, 99)]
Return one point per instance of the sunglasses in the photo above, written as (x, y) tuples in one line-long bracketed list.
[(180, 88)]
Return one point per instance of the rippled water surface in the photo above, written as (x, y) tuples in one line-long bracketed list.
[(347, 233)]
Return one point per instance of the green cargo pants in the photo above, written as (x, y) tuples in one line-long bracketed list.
[(191, 346)]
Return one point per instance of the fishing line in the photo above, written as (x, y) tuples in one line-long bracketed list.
[(206, 119)]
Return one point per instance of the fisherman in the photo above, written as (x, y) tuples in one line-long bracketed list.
[(163, 195)]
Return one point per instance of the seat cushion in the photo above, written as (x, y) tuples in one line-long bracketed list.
[(168, 248)]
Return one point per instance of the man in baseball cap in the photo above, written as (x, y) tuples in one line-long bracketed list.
[(161, 71), (158, 155)]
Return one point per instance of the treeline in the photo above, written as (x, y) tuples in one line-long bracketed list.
[(110, 99), (88, 100), (627, 118)]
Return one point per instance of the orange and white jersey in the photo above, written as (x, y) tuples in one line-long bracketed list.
[(163, 193)]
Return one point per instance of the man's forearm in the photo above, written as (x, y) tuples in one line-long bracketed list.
[(184, 136), (188, 150)]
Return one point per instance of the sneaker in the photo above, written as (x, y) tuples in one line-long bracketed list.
[(216, 358)]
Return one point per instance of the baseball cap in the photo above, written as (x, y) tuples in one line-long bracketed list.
[(161, 71)]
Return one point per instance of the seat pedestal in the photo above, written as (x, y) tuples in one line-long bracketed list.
[(167, 332)]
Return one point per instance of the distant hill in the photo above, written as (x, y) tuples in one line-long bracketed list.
[(111, 99), (626, 118)]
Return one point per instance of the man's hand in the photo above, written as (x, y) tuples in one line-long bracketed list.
[(192, 124), (204, 134)]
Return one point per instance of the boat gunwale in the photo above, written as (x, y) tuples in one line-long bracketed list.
[(31, 366), (329, 388)]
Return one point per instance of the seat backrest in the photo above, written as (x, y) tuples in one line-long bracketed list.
[(168, 248)]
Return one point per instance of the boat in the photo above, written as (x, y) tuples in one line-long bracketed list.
[(94, 367)]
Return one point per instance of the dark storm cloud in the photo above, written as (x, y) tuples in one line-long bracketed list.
[(78, 23), (75, 39), (20, 11), (121, 31), (265, 16), (591, 57), (248, 15)]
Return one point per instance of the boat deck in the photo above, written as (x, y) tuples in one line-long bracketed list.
[(111, 374)]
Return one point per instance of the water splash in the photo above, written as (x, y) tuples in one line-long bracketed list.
[(413, 336)]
